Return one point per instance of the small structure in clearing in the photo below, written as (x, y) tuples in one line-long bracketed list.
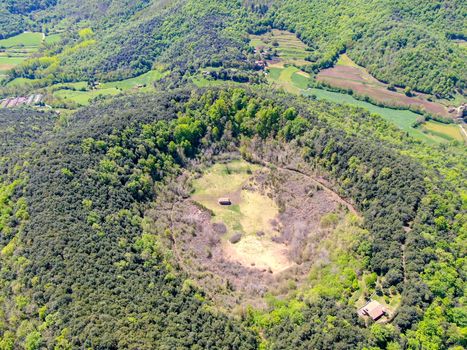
[(373, 309), (224, 201)]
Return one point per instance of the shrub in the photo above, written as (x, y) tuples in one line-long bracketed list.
[(235, 238)]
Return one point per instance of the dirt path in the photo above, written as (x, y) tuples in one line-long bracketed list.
[(326, 188), (463, 130)]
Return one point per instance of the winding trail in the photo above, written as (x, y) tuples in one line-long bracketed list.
[(463, 130), (325, 187)]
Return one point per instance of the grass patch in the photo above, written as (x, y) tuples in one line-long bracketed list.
[(19, 82), (83, 98), (223, 178), (256, 212), (80, 85), (250, 211), (345, 60), (404, 119), (22, 40), (447, 131), (52, 39), (300, 80), (12, 61), (290, 78), (274, 73)]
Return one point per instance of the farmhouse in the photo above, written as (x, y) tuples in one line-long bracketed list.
[(224, 201), (373, 309), (261, 64)]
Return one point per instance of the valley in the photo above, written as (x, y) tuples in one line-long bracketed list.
[(286, 68)]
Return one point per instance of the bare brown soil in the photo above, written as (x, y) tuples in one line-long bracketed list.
[(362, 83), (5, 66)]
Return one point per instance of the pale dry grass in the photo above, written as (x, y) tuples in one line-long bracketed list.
[(251, 212), (257, 212), (259, 253)]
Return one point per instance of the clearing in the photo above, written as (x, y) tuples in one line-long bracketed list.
[(280, 48), (268, 236), (284, 53), (431, 132), (81, 94), (290, 78), (283, 72)]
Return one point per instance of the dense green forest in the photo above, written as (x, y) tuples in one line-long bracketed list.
[(72, 207), (84, 263)]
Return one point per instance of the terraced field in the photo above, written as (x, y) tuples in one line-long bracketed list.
[(283, 72), (288, 48)]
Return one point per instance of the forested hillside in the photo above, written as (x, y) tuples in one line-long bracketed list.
[(170, 180), (403, 43), (74, 246)]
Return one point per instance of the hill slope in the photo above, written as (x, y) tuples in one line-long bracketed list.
[(404, 43), (82, 266), (112, 235)]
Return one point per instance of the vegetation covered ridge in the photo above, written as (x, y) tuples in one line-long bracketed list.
[(403, 43), (85, 240)]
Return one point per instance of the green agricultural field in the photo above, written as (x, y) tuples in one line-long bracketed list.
[(22, 40), (404, 119), (300, 79), (290, 78), (7, 63), (52, 39), (83, 98), (80, 85), (11, 60), (274, 73), (20, 82), (296, 81), (146, 79), (17, 49), (447, 131), (79, 91)]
